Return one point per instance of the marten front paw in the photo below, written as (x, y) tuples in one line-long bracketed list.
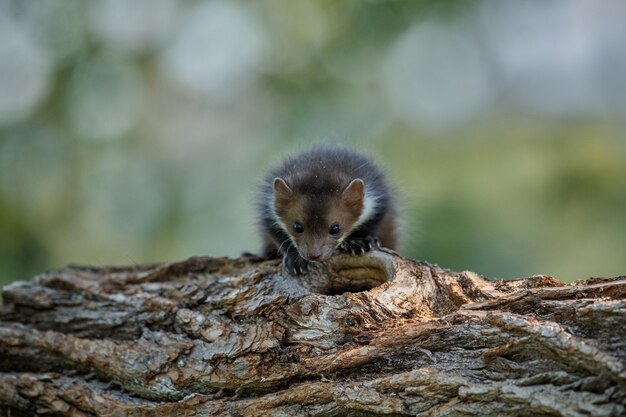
[(296, 265), (355, 246)]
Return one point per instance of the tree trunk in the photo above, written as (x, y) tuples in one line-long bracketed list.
[(223, 337)]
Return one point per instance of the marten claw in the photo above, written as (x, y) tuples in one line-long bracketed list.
[(359, 245), (296, 265)]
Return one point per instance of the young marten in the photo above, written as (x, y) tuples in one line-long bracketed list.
[(321, 200)]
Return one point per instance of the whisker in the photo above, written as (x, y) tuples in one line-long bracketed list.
[(281, 245)]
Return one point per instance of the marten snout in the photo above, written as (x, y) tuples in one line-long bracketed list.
[(317, 254)]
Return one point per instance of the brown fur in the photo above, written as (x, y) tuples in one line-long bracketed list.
[(387, 230), (303, 198), (317, 216)]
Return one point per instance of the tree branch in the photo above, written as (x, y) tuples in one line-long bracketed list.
[(364, 336)]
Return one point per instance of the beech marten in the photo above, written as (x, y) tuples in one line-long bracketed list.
[(324, 199)]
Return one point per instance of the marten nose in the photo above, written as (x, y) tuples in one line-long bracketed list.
[(315, 255)]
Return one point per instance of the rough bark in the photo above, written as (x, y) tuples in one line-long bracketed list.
[(223, 337)]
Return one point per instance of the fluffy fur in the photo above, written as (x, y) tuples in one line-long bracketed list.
[(324, 190)]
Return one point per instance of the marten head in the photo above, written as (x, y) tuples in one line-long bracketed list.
[(318, 218)]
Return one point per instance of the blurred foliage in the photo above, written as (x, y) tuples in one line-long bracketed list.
[(136, 131), (527, 202)]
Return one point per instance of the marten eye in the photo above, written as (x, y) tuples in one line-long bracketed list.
[(298, 228), (334, 229)]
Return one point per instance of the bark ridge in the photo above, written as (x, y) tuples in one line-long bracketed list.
[(369, 335)]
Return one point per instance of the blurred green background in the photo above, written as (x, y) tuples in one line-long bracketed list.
[(136, 131)]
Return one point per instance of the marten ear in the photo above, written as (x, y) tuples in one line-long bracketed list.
[(282, 192), (353, 196)]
